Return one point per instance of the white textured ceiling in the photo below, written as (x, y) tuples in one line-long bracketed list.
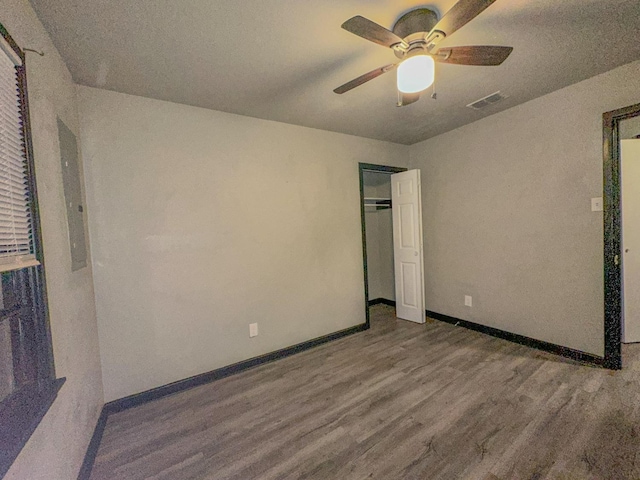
[(281, 59)]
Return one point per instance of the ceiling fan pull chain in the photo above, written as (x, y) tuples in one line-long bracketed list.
[(434, 95)]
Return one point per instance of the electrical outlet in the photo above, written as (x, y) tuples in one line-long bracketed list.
[(468, 301), (596, 204), (253, 330)]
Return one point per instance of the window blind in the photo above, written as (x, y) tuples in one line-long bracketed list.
[(16, 233)]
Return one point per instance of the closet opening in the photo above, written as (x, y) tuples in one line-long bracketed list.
[(377, 235)]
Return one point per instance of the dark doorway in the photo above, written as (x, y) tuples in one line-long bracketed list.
[(362, 168), (613, 293)]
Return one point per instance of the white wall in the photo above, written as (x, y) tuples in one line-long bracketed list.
[(630, 128), (57, 447), (630, 219), (507, 214), (203, 222)]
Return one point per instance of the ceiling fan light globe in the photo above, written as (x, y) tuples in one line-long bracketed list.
[(416, 74)]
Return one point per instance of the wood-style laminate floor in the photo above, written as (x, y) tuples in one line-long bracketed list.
[(399, 401)]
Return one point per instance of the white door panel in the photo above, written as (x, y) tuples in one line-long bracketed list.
[(409, 297), (407, 245), (630, 166)]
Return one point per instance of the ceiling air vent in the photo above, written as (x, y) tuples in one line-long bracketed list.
[(486, 101)]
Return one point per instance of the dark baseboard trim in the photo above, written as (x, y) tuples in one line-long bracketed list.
[(92, 449), (576, 355), (195, 381), (378, 301), (204, 378)]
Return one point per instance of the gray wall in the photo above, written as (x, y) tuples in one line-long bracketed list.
[(57, 447), (507, 215), (385, 232), (204, 222), (385, 251), (373, 253)]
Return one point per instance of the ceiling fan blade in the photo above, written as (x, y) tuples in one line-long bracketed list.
[(474, 55), (407, 99), (459, 15), (371, 31), (356, 82)]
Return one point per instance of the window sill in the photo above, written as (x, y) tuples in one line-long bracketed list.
[(20, 415)]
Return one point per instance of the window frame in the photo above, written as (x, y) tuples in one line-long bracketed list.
[(22, 411)]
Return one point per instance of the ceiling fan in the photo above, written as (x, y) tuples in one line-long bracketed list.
[(414, 39)]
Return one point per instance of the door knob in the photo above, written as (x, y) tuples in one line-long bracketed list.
[(415, 254)]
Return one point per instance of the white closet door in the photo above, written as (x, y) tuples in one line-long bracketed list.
[(407, 245), (630, 165)]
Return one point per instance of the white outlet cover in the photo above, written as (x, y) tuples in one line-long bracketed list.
[(596, 204), (253, 330), (468, 301)]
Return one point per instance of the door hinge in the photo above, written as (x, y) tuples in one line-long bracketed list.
[(616, 260)]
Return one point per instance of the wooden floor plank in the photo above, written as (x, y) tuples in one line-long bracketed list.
[(398, 401)]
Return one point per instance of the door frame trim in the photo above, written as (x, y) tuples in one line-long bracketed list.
[(371, 167), (613, 234)]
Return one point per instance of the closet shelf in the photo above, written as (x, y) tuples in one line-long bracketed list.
[(379, 203)]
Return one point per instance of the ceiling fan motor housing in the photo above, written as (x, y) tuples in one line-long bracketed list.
[(414, 25)]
